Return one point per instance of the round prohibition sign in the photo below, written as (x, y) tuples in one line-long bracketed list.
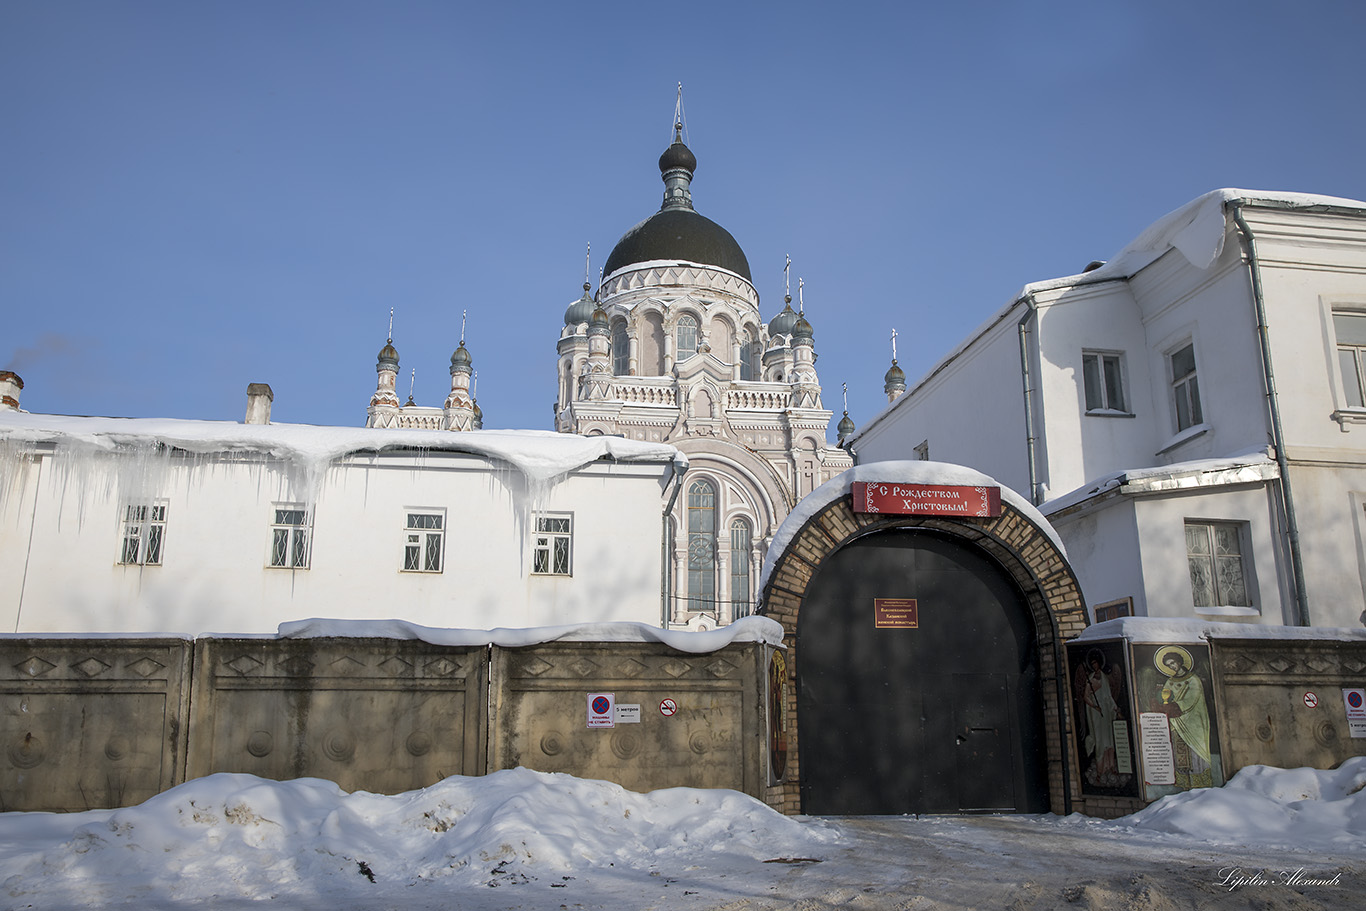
[(601, 705), (1311, 700), (668, 707)]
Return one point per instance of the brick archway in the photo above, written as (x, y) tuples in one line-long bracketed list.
[(1015, 542)]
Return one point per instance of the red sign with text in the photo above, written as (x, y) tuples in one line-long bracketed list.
[(926, 499)]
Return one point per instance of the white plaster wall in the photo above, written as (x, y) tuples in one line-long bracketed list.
[(971, 413), (1330, 503), (1161, 528), (215, 577), (1103, 548)]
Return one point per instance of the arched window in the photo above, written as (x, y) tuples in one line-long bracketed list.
[(741, 540), (746, 361), (621, 349), (701, 546), (687, 338)]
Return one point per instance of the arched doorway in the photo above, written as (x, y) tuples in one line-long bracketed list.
[(918, 685)]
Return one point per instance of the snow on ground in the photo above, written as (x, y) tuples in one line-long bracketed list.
[(518, 839)]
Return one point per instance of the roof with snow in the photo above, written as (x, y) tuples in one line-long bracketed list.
[(542, 456), (1196, 230)]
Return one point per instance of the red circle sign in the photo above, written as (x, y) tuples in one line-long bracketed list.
[(1311, 700), (668, 707)]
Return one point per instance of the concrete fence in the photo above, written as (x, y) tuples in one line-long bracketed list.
[(90, 723)]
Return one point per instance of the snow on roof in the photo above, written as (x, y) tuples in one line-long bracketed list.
[(1172, 629), (747, 629), (1196, 229), (542, 456), (1250, 465), (908, 472)]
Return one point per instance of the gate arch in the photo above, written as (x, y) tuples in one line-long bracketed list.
[(1033, 582)]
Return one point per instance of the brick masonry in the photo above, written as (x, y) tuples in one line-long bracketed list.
[(1015, 542)]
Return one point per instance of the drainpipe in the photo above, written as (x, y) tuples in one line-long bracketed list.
[(1292, 528), (1026, 378), (666, 565)]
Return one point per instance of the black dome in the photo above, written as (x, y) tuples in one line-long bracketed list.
[(677, 155), (679, 235)]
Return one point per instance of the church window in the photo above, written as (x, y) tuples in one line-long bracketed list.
[(289, 537), (701, 547), (553, 545), (1214, 552), (621, 349), (144, 533), (741, 539), (425, 541), (746, 359), (687, 338)]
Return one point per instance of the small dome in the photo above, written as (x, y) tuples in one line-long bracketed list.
[(599, 324), (677, 155), (894, 375), (388, 355), (783, 323), (461, 358), (846, 426), (581, 311), (802, 329)]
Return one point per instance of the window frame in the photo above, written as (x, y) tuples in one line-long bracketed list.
[(691, 323), (1107, 385), (620, 341), (700, 555), (419, 538), (1185, 387), (297, 536), (545, 543), (1357, 352), (1219, 596), (145, 532), (741, 581)]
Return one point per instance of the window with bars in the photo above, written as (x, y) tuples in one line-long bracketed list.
[(1185, 387), (553, 547), (687, 338), (1214, 551), (1103, 380), (290, 540), (741, 539), (144, 534), (1350, 329), (424, 542)]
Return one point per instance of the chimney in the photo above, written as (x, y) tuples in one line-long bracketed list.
[(259, 398), (10, 384)]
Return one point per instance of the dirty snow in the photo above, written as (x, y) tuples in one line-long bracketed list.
[(520, 839)]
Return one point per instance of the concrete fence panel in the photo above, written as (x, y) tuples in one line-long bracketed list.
[(91, 723)]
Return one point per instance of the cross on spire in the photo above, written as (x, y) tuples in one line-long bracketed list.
[(801, 305), (846, 397), (463, 314), (678, 113), (787, 287), (391, 325), (893, 346)]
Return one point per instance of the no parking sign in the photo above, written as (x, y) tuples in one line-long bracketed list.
[(1354, 701), (601, 710)]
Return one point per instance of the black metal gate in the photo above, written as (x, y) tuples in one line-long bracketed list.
[(917, 683)]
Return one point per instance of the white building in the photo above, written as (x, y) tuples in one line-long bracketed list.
[(1190, 415), (138, 526)]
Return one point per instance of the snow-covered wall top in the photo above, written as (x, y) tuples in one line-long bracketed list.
[(746, 629), (907, 472), (542, 456), (1163, 629), (1243, 467)]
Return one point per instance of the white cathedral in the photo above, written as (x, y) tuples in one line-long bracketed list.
[(673, 349)]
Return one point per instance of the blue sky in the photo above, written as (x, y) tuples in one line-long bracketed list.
[(196, 196)]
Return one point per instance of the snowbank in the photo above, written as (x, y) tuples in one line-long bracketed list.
[(746, 629), (239, 837), (1301, 808), (910, 472)]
